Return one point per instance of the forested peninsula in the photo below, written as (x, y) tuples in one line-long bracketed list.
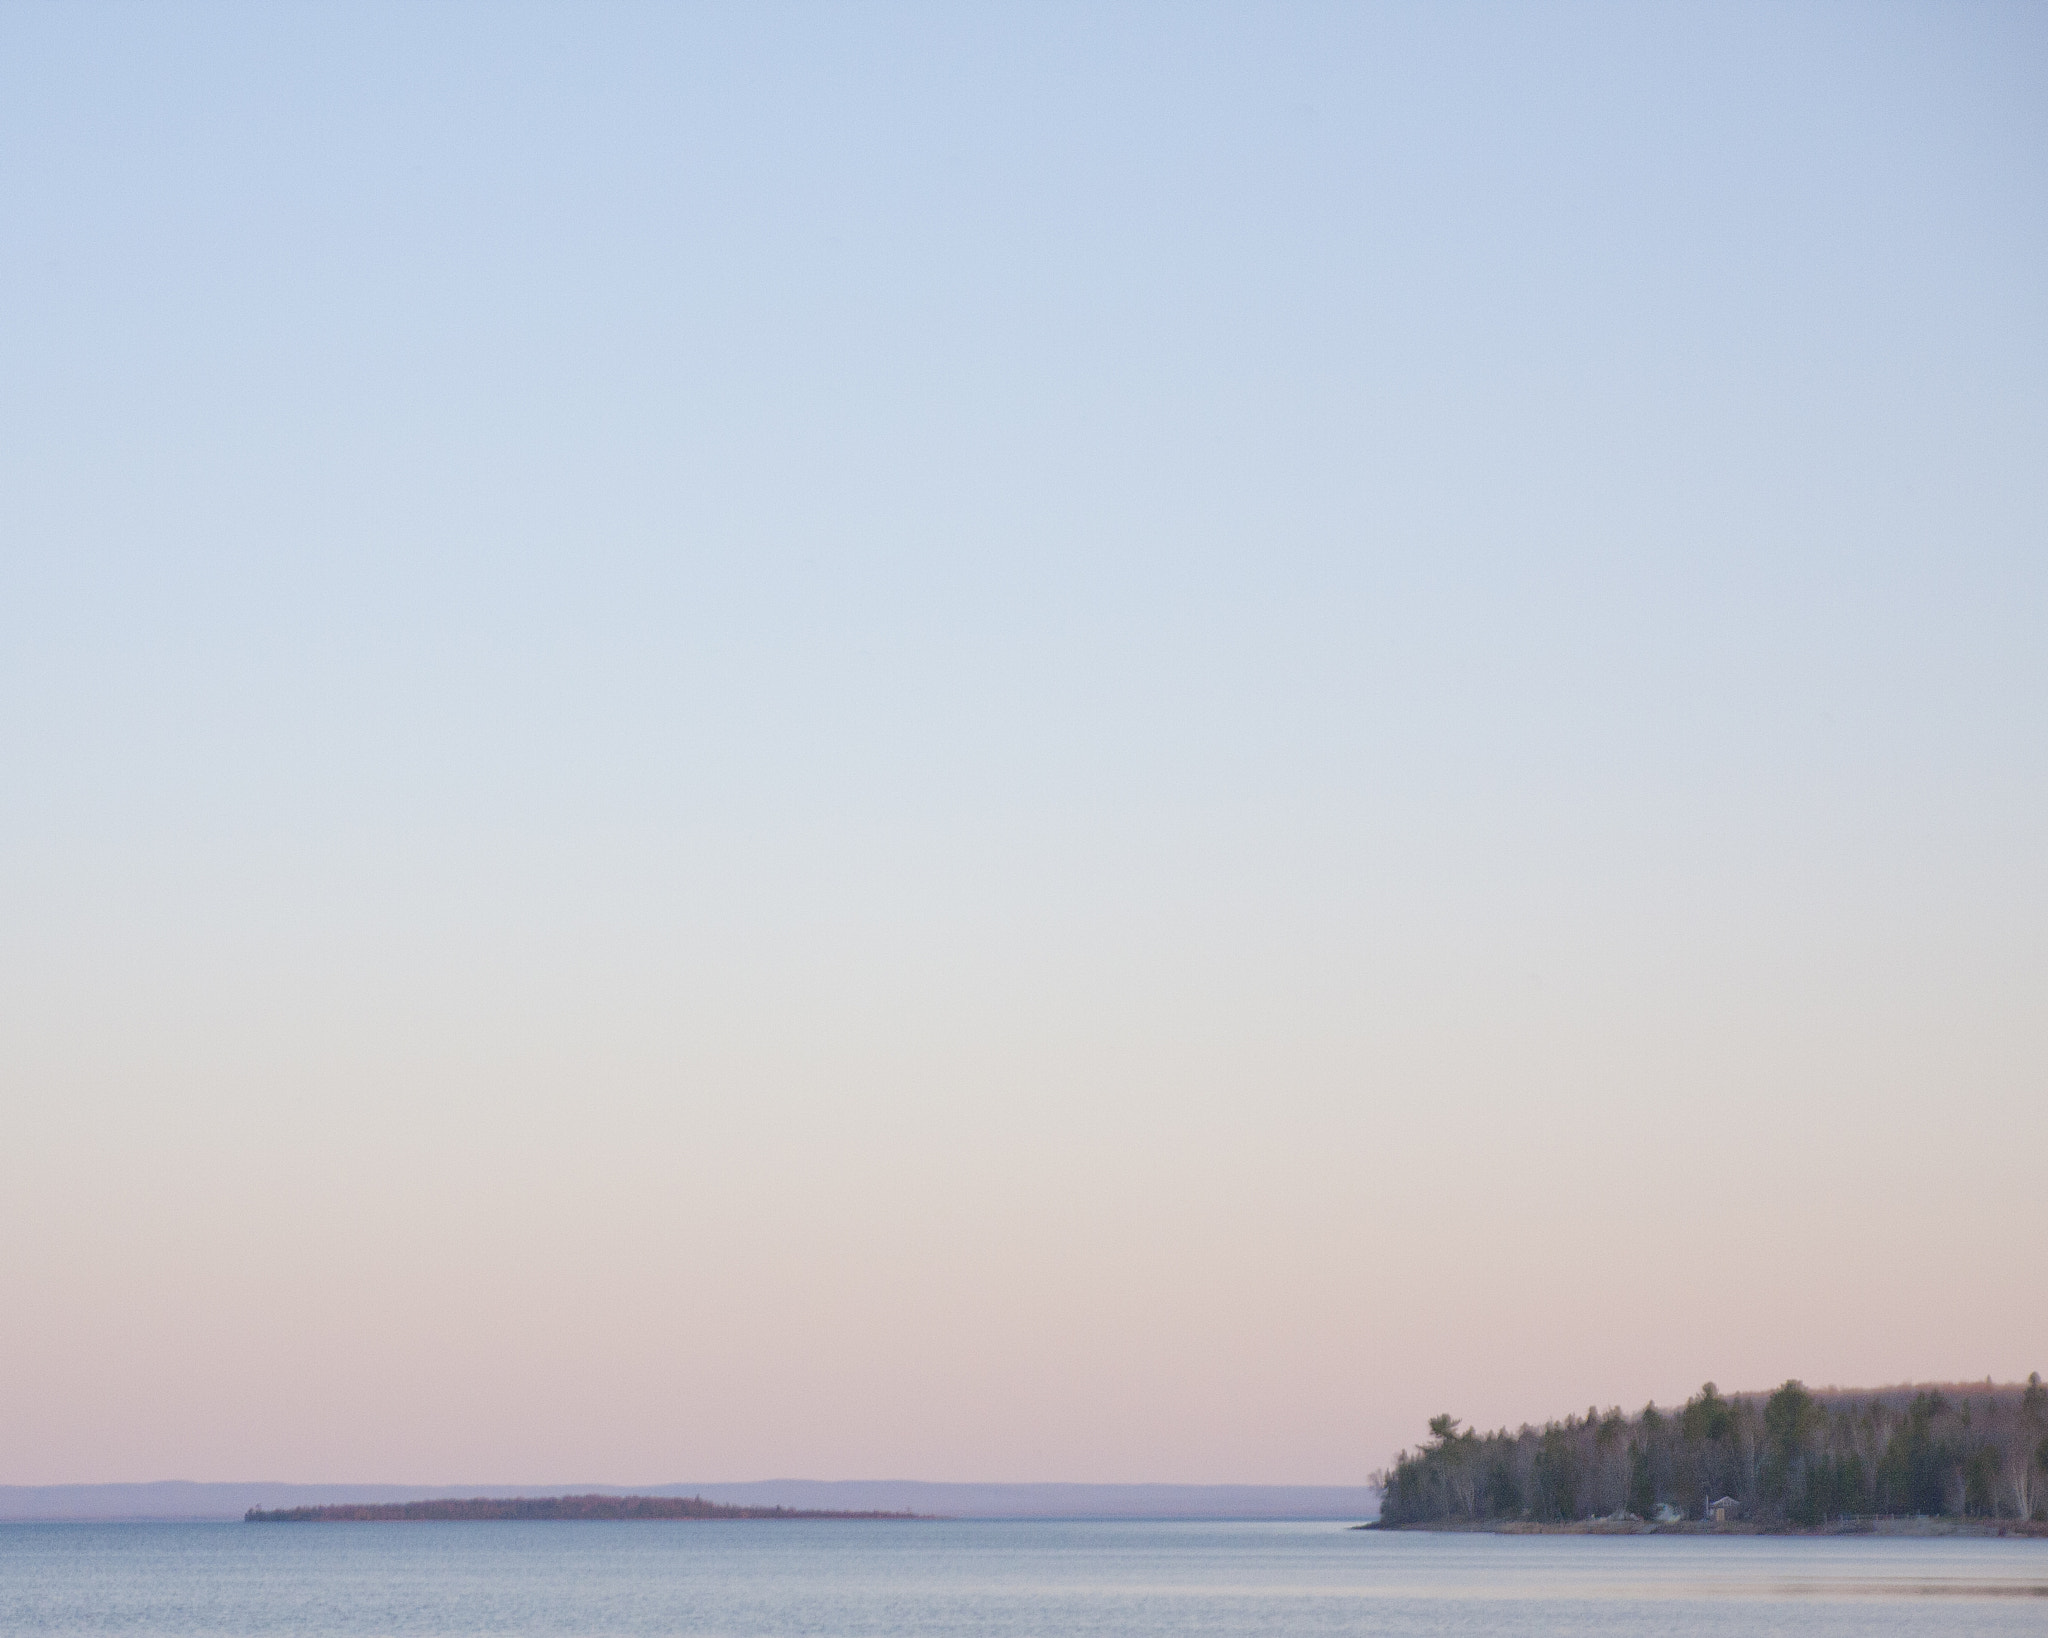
[(542, 1507), (1956, 1455)]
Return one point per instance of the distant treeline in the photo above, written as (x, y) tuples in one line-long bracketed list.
[(542, 1507), (1793, 1457)]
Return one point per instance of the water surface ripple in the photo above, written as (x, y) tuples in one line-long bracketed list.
[(992, 1580)]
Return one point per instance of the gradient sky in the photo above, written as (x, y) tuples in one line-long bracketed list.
[(1010, 743)]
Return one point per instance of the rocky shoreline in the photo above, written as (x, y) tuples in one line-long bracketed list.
[(1695, 1527)]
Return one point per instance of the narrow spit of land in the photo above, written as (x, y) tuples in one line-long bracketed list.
[(542, 1507)]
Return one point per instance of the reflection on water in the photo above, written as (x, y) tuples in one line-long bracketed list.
[(994, 1580), (1918, 1589)]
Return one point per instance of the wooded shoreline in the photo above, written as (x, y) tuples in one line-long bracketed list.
[(1916, 1459)]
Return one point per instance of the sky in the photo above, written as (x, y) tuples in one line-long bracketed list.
[(1010, 743)]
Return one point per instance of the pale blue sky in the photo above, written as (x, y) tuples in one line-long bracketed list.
[(1252, 671)]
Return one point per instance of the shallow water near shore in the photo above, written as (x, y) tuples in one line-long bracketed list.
[(1032, 1579)]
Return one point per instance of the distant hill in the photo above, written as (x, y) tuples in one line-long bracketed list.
[(181, 1499), (539, 1507)]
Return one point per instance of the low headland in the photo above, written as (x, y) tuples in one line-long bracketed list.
[(1921, 1460), (542, 1507), (193, 1501)]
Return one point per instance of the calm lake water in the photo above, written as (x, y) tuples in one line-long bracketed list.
[(992, 1580)]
